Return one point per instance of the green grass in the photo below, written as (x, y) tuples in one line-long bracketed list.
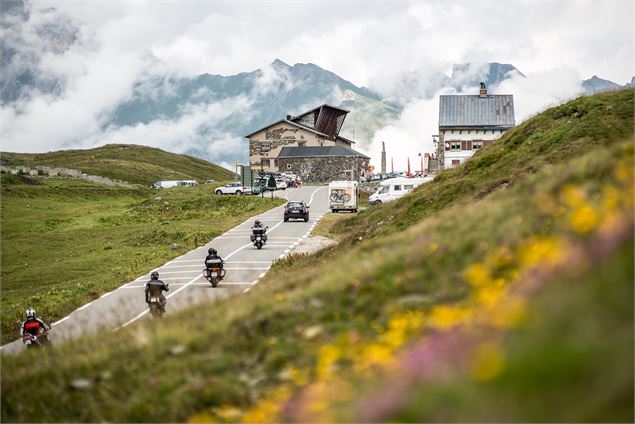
[(125, 162), (554, 136), (411, 258), (67, 242)]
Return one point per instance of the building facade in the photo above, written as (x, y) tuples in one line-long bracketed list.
[(318, 127), (320, 164), (469, 122)]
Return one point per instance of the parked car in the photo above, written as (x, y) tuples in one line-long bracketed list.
[(296, 210), (281, 184), (232, 188)]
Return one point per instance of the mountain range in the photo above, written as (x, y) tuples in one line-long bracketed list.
[(211, 114)]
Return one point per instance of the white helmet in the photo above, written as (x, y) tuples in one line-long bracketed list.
[(30, 313)]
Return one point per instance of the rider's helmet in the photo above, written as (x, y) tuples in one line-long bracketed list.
[(154, 276), (211, 251), (30, 313)]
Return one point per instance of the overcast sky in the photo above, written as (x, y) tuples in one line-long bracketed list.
[(556, 43)]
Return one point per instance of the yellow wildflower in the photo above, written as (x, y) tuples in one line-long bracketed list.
[(228, 413), (487, 362), (477, 275), (201, 417), (624, 172), (490, 296), (584, 219), (329, 354), (573, 196), (538, 250), (509, 313), (432, 247), (444, 317), (268, 408)]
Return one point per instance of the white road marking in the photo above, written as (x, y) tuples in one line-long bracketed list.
[(105, 294), (61, 320), (262, 274), (85, 306)]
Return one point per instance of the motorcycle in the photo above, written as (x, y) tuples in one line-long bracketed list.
[(156, 308), (214, 271), (259, 238), (32, 341)]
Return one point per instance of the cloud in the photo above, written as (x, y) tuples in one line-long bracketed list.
[(88, 58), (412, 133)]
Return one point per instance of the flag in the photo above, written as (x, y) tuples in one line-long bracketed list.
[(409, 167)]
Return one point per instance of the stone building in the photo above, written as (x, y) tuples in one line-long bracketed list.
[(319, 127), (316, 164), (469, 122)]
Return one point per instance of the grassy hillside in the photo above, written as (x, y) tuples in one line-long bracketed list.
[(66, 242), (500, 291), (126, 162)]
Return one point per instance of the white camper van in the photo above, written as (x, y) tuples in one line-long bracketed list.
[(394, 188), (343, 195)]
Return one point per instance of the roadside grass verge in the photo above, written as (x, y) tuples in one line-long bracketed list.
[(484, 287), (66, 242)]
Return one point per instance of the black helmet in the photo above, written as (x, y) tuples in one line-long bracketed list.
[(211, 251), (154, 276)]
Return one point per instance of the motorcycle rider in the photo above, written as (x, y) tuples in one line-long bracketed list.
[(32, 325), (213, 254), (155, 288), (257, 224)]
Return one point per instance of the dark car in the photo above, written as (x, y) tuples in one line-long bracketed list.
[(296, 210)]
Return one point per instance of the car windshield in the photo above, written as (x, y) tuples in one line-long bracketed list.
[(295, 204)]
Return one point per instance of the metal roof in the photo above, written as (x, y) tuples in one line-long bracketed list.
[(492, 111), (314, 151)]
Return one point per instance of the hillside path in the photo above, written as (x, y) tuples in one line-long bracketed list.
[(245, 266)]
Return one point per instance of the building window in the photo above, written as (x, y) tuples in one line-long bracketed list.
[(265, 147), (301, 143), (275, 162), (265, 162), (397, 188), (477, 144), (456, 162), (455, 145)]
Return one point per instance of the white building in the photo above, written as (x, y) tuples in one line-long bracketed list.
[(469, 122)]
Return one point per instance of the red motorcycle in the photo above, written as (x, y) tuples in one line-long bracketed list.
[(31, 340)]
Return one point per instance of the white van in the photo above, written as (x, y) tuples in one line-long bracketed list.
[(394, 188), (343, 195)]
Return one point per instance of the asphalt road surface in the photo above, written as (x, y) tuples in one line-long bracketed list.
[(245, 266)]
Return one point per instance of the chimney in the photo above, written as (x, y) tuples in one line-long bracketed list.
[(483, 91), (289, 116)]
